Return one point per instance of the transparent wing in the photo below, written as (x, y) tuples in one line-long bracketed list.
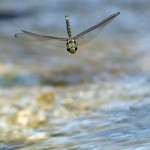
[(89, 34), (56, 41)]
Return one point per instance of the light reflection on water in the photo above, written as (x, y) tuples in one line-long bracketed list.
[(114, 115), (101, 93), (122, 130)]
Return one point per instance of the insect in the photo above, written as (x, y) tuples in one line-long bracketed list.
[(72, 42)]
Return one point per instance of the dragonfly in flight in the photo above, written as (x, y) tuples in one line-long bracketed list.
[(72, 42)]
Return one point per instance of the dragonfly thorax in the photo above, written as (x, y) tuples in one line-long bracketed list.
[(71, 46)]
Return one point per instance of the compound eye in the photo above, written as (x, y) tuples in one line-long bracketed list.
[(75, 48), (68, 49)]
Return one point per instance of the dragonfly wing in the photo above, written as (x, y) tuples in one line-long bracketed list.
[(87, 35), (29, 36)]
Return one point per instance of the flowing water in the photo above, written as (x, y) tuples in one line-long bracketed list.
[(96, 99)]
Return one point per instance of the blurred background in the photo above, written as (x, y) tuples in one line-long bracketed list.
[(126, 35), (100, 94)]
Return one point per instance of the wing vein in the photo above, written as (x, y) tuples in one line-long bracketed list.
[(99, 25), (38, 36)]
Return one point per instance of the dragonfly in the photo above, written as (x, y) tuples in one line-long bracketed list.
[(72, 42)]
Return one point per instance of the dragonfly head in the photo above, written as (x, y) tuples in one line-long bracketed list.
[(71, 46)]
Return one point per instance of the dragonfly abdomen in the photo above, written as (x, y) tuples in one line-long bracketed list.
[(68, 26)]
